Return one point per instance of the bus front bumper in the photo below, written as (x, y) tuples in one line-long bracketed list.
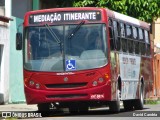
[(100, 93)]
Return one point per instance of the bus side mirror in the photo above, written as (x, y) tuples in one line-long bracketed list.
[(18, 41)]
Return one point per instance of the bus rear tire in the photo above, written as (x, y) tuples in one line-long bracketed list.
[(138, 103), (128, 105)]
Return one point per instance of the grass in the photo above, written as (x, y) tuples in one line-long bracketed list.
[(152, 102), (11, 119)]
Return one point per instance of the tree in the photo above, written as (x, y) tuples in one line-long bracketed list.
[(146, 10)]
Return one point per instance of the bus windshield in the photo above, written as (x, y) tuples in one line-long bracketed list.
[(86, 49)]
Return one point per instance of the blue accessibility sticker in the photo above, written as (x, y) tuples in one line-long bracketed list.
[(70, 65)]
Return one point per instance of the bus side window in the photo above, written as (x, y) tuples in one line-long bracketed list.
[(112, 42), (146, 36), (116, 35), (122, 29), (135, 33), (142, 48), (124, 44), (141, 34), (123, 37), (128, 31), (136, 47), (130, 46), (148, 52)]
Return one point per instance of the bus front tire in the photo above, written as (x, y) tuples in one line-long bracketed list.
[(73, 110), (43, 107), (114, 106), (82, 108)]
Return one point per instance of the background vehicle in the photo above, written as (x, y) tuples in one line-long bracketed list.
[(84, 57)]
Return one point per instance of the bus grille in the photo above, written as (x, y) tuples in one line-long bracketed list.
[(67, 96), (66, 85)]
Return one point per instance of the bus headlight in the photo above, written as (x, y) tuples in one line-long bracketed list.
[(100, 80), (37, 85), (95, 83), (31, 82), (34, 84)]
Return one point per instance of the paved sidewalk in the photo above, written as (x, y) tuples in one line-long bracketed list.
[(18, 107)]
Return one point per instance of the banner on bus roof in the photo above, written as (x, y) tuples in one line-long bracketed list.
[(65, 17)]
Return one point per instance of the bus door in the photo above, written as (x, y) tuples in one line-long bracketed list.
[(113, 59), (114, 47)]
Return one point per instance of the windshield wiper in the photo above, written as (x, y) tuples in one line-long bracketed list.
[(56, 38), (76, 29), (53, 34)]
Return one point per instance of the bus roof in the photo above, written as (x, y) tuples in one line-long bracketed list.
[(63, 9), (127, 19)]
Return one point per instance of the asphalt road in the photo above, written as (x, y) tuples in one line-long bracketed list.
[(149, 112)]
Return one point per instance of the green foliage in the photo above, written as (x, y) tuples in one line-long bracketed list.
[(146, 10), (152, 102), (84, 3)]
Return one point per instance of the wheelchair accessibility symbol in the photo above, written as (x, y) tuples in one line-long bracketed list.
[(70, 65)]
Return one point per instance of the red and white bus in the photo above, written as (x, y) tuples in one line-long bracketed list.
[(83, 57)]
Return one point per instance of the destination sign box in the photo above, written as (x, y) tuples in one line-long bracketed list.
[(65, 17)]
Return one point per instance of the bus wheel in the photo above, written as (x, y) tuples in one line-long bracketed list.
[(128, 105), (114, 106), (83, 108), (43, 107), (138, 103), (73, 110)]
